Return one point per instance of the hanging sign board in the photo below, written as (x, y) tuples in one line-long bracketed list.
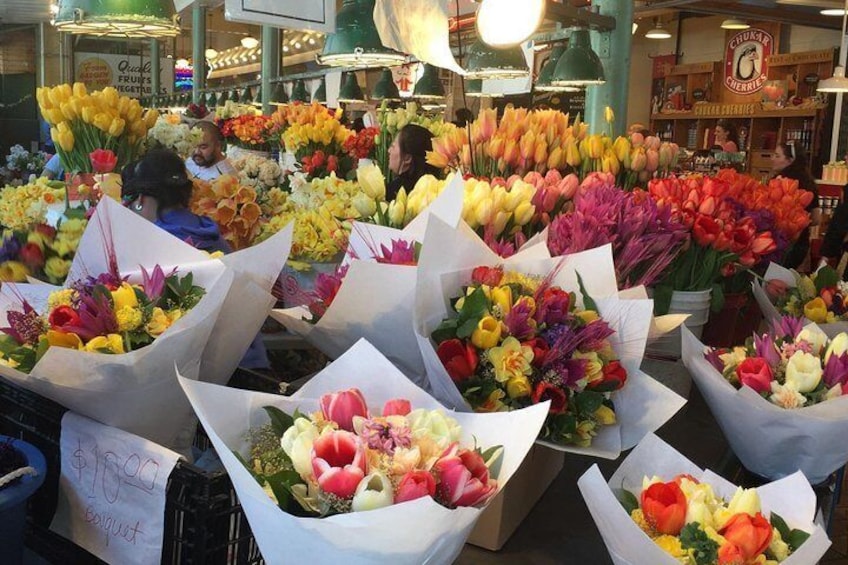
[(112, 491), (317, 15), (129, 74), (746, 60)]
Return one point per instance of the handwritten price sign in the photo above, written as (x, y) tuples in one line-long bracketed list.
[(112, 491)]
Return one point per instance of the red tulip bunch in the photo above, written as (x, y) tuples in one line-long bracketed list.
[(355, 459)]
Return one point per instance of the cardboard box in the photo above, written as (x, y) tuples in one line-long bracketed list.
[(509, 508)]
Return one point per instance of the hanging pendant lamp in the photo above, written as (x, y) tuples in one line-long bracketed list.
[(429, 86), (211, 100), (246, 98), (299, 93), (386, 89), (474, 89), (838, 82), (486, 62), (257, 96), (118, 18), (279, 96), (350, 91), (320, 94), (356, 42), (543, 83), (578, 65)]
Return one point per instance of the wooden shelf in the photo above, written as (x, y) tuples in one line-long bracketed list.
[(788, 113)]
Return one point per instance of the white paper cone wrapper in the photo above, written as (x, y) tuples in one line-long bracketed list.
[(140, 242), (419, 531), (771, 441), (792, 498), (642, 406), (770, 311)]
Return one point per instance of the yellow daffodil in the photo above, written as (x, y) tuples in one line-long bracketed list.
[(159, 322), (511, 360)]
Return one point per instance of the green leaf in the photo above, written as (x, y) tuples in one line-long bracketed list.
[(717, 298), (281, 483), (662, 299), (493, 457), (588, 401), (796, 539), (588, 303), (280, 421), (445, 331), (705, 549), (826, 277), (779, 524), (467, 328), (627, 499)]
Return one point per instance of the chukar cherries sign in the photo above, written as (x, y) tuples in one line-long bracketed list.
[(746, 60)]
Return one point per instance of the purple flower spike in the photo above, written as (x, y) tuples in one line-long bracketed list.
[(519, 322), (154, 282), (787, 327), (764, 347), (96, 317), (712, 357), (836, 370)]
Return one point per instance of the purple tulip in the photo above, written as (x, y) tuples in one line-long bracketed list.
[(764, 347), (836, 370)]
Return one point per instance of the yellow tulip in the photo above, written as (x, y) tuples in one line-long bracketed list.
[(502, 297), (587, 316), (596, 147), (116, 128), (66, 141), (487, 334), (816, 310), (518, 387), (79, 89), (113, 343), (150, 118), (605, 415), (124, 296), (572, 154), (88, 113), (609, 115), (372, 182), (64, 339), (524, 213), (159, 322), (621, 147), (13, 271), (555, 159)]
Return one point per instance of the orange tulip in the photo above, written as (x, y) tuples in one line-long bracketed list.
[(751, 534), (664, 507)]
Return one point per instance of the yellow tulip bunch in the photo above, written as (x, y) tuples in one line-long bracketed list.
[(643, 158), (307, 128), (524, 140), (497, 210), (82, 122)]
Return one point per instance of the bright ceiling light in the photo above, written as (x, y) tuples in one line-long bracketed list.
[(210, 53), (285, 48), (833, 12), (635, 27), (659, 32), (734, 23), (249, 42), (500, 24)]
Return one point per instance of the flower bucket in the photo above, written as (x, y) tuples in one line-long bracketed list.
[(13, 502), (236, 152), (734, 323), (298, 285), (75, 181), (696, 303)]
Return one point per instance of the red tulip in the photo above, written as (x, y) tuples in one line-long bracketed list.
[(338, 462), (487, 275), (755, 373), (415, 484), (460, 359), (62, 317), (546, 391), (751, 534), (664, 507), (397, 407), (31, 255), (463, 478), (103, 161), (613, 374), (45, 230), (540, 349), (705, 230), (341, 407)]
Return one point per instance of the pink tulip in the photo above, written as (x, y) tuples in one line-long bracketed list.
[(568, 186), (652, 142), (652, 161), (553, 176), (463, 478), (338, 462), (341, 407), (397, 407), (415, 484), (637, 139)]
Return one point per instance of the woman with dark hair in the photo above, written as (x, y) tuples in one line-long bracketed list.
[(726, 136), (789, 160), (408, 158), (158, 188)]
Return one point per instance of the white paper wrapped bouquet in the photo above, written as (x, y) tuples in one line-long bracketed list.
[(500, 334), (659, 508), (361, 465)]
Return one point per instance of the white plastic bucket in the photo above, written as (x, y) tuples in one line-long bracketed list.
[(696, 303)]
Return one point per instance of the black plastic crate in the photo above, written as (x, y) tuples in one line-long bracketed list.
[(204, 522)]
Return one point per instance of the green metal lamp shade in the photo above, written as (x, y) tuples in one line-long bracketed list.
[(279, 95), (118, 18), (257, 96), (543, 83), (356, 42), (579, 65), (386, 89), (429, 86), (486, 62), (474, 89), (212, 100), (320, 94), (350, 91), (299, 93)]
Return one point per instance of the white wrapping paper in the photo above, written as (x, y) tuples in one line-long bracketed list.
[(792, 498), (771, 441), (141, 242), (375, 301), (642, 406), (420, 531), (769, 310)]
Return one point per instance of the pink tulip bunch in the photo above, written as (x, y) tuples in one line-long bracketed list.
[(351, 459)]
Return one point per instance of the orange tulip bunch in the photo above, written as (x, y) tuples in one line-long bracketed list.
[(523, 141), (686, 518), (233, 207)]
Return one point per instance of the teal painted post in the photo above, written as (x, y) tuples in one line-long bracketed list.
[(613, 48), (198, 50), (155, 71), (270, 64)]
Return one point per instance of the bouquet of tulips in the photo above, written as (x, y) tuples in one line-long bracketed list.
[(789, 381), (499, 334), (722, 233), (336, 454), (256, 133), (306, 130), (643, 158), (645, 238), (42, 252), (361, 145), (669, 511), (82, 122)]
